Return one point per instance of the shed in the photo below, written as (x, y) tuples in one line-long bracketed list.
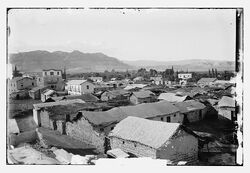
[(143, 96)]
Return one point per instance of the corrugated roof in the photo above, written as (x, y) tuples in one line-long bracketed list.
[(226, 102), (50, 104), (202, 80), (147, 132), (143, 94), (76, 82), (171, 97), (189, 105)]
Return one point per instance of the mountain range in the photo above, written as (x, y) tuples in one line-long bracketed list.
[(77, 62), (185, 65)]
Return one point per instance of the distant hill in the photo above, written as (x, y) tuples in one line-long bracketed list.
[(75, 61), (191, 65)]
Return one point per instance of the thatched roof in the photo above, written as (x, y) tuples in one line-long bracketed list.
[(147, 132)]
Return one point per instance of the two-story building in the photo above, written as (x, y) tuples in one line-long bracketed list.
[(184, 78), (51, 78), (20, 83), (79, 87)]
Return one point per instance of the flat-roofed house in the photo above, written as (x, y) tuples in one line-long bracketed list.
[(143, 96), (158, 140), (78, 87), (226, 108)]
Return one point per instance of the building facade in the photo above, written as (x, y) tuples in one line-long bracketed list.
[(20, 83), (79, 87)]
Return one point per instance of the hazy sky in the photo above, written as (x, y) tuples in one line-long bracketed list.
[(166, 34)]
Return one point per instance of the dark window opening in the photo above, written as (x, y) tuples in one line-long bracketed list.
[(87, 87), (101, 129), (112, 128), (123, 142), (162, 119), (51, 73), (134, 145), (168, 119), (54, 125), (58, 73), (68, 118), (32, 84), (21, 85)]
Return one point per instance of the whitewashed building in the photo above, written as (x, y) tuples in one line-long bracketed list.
[(79, 87)]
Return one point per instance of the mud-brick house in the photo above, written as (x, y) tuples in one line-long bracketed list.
[(35, 93), (115, 94), (78, 87), (143, 96), (226, 108), (93, 127), (191, 110), (158, 140), (51, 114)]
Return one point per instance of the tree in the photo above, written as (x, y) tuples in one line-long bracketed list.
[(216, 74), (212, 72), (16, 73), (152, 72), (209, 73)]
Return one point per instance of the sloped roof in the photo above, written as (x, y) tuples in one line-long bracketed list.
[(148, 110), (87, 97), (76, 82), (117, 153), (226, 102), (19, 78), (189, 105), (145, 110), (132, 86), (117, 92), (38, 88), (202, 80), (143, 94), (48, 92), (50, 104), (147, 132), (172, 97)]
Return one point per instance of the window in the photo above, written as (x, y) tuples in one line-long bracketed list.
[(112, 128), (168, 119), (123, 142), (134, 145), (32, 83), (161, 118), (174, 115), (58, 73), (21, 85), (87, 86), (52, 73)]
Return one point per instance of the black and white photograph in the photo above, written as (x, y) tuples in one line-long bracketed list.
[(105, 86)]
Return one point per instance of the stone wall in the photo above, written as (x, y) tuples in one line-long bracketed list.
[(135, 148), (82, 130), (181, 147), (45, 121)]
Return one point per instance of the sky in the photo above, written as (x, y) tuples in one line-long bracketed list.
[(127, 34)]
